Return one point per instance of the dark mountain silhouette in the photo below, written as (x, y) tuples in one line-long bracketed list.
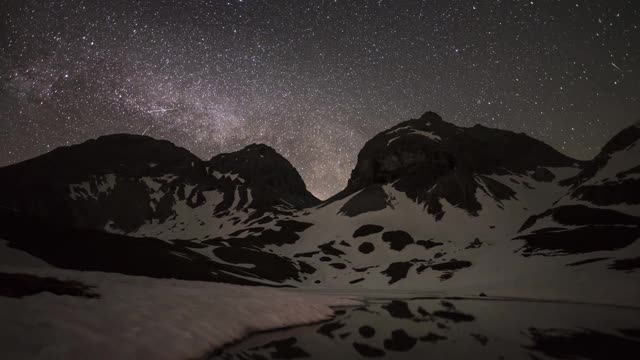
[(428, 205)]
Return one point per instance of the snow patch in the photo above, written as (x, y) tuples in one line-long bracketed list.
[(144, 318)]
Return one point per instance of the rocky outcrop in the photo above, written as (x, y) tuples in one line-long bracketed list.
[(599, 210), (122, 182), (430, 159), (272, 177)]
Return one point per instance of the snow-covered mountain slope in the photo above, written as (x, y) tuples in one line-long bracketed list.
[(429, 206), (599, 215), (140, 186), (612, 178), (446, 211)]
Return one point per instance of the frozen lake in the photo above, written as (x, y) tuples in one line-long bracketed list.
[(454, 328)]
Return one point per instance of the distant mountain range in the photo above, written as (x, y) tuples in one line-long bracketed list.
[(429, 206)]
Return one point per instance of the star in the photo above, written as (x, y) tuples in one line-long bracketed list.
[(315, 80)]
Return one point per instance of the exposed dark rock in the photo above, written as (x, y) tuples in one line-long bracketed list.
[(99, 251), (635, 333), (328, 328), (454, 316), (285, 235), (372, 198), (355, 281), (306, 254), (306, 268), (543, 175), (482, 339), (270, 174), (293, 225), (363, 269), (582, 344), (19, 285), (284, 349), (451, 265), (249, 230), (628, 265), (367, 331), (328, 249), (580, 240), (619, 142), (366, 247), (368, 351), (339, 266), (476, 243), (610, 193), (429, 159), (189, 244), (447, 304), (398, 309), (397, 271), (104, 181), (633, 171), (423, 312), (267, 265), (583, 215), (428, 244), (365, 230), (587, 261), (397, 240), (432, 337), (400, 341)]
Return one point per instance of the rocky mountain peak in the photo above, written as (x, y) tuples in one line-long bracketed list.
[(431, 147), (127, 154), (264, 168), (624, 139), (430, 159)]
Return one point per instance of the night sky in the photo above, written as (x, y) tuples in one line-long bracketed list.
[(313, 79)]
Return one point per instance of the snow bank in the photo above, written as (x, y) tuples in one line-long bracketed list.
[(144, 318)]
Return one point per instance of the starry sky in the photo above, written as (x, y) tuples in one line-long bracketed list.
[(313, 79)]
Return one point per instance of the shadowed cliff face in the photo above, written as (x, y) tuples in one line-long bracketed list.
[(122, 182), (271, 175), (599, 210), (433, 147), (616, 169), (430, 159), (428, 205)]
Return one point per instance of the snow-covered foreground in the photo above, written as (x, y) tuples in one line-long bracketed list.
[(144, 318)]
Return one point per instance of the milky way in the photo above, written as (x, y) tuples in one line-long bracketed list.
[(313, 79)]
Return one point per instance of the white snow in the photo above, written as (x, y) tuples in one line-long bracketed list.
[(144, 318), (103, 184), (188, 222), (412, 131), (249, 198), (236, 199), (428, 134), (232, 176)]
